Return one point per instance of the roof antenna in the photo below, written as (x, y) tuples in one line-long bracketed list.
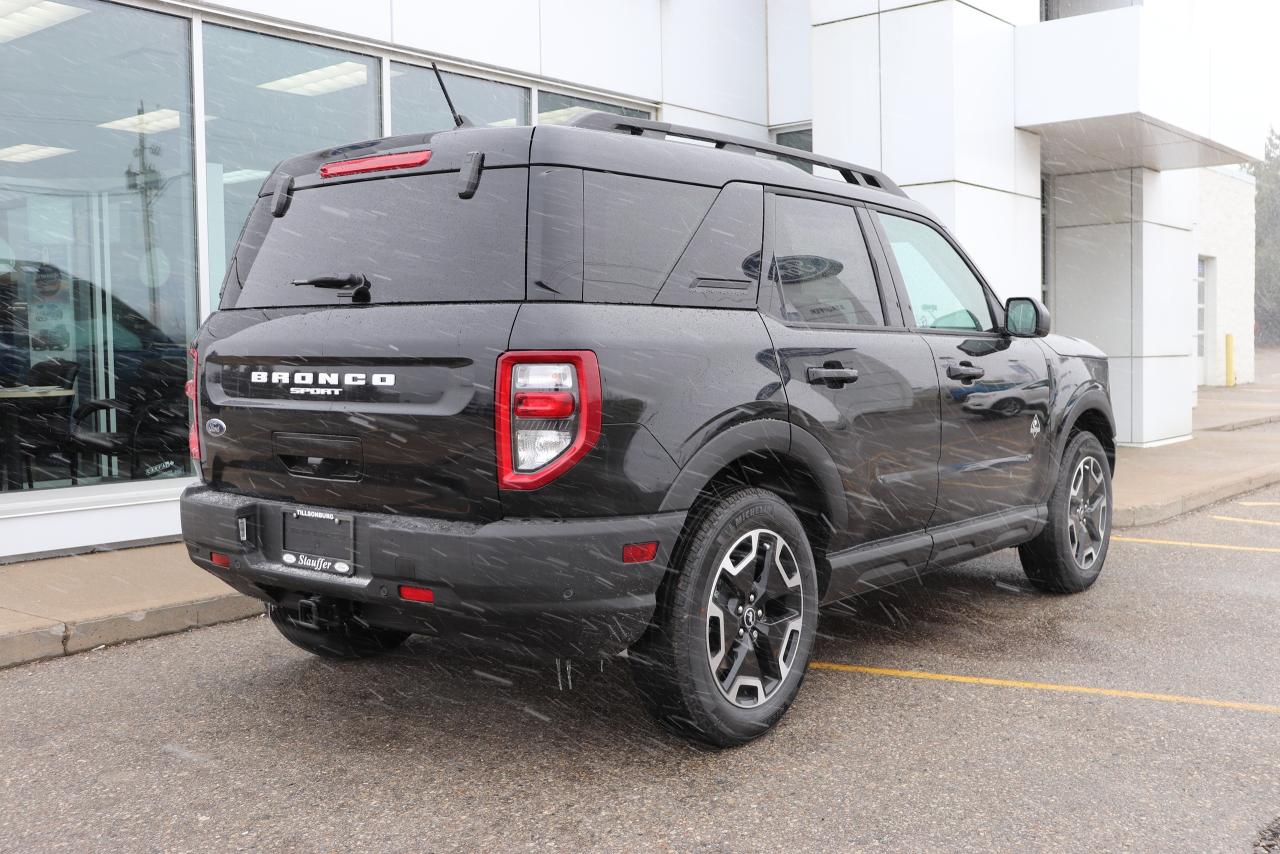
[(458, 120)]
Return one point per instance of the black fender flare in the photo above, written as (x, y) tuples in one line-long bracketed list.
[(1091, 397), (765, 435)]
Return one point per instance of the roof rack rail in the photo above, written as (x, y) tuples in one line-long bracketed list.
[(858, 175)]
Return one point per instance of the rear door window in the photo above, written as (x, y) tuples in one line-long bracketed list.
[(412, 237), (820, 265)]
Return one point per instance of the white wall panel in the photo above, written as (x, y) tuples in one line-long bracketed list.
[(615, 46), (1001, 233), (940, 199), (1026, 163), (826, 11), (502, 33), (1027, 279), (709, 121), (88, 526), (982, 86), (713, 57), (1167, 296), (917, 114), (1094, 198), (1120, 377), (1163, 399), (1093, 279), (788, 58), (1169, 197), (1078, 67), (846, 90), (1225, 233), (371, 20), (1016, 12)]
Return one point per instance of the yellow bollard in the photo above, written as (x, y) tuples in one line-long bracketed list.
[(1231, 360)]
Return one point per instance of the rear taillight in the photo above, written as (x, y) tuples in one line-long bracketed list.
[(375, 163), (193, 394), (548, 414)]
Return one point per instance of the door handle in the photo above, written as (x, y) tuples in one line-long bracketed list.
[(831, 374), (966, 372)]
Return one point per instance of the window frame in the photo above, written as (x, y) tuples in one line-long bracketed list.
[(904, 296), (770, 291)]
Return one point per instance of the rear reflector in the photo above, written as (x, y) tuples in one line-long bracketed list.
[(376, 163), (219, 559), (544, 404), (417, 594), (639, 552)]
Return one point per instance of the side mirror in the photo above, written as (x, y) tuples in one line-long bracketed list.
[(1025, 317)]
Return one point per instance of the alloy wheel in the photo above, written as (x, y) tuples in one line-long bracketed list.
[(1087, 512), (754, 616)]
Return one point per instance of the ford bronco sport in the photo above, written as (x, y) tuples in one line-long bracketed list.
[(583, 391)]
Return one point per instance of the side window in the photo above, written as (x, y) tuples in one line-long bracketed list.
[(945, 294), (821, 266), (634, 229)]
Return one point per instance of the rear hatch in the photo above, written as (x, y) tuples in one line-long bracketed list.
[(352, 362)]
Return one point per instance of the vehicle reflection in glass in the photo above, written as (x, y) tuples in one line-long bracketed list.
[(90, 389)]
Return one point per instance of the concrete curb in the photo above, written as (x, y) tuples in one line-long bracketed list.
[(1260, 421), (52, 639), (1151, 514)]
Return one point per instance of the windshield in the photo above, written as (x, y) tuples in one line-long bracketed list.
[(413, 238)]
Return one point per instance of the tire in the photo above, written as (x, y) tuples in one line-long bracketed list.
[(349, 640), (696, 675), (1067, 556), (1008, 407)]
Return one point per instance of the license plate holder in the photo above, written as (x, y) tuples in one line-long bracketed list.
[(319, 540)]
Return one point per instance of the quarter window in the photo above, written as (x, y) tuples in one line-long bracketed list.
[(820, 264), (944, 292)]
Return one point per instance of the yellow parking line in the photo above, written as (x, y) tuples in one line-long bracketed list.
[(1046, 686), (1259, 503), (1196, 545), (1241, 519)]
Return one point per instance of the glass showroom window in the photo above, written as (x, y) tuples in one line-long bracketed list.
[(554, 108), (97, 245), (266, 99), (418, 106), (801, 139)]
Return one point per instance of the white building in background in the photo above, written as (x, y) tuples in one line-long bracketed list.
[(1067, 154), (1078, 148)]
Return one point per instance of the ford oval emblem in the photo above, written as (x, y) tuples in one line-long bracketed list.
[(215, 427)]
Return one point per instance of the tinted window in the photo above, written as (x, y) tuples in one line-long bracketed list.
[(635, 230), (944, 292), (412, 237), (721, 265), (821, 264)]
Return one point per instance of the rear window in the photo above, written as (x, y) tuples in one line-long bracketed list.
[(413, 238)]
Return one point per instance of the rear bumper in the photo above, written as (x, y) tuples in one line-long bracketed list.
[(549, 586)]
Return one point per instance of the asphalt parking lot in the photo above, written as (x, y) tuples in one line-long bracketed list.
[(962, 713)]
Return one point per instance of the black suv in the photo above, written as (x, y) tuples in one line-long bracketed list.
[(585, 390)]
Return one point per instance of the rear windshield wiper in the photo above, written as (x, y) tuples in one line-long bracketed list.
[(357, 283)]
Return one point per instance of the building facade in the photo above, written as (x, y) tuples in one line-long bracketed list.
[(1066, 142)]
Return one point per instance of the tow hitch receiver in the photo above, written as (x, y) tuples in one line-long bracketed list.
[(315, 613)]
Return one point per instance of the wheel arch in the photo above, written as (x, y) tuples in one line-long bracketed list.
[(773, 455), (1090, 412)]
